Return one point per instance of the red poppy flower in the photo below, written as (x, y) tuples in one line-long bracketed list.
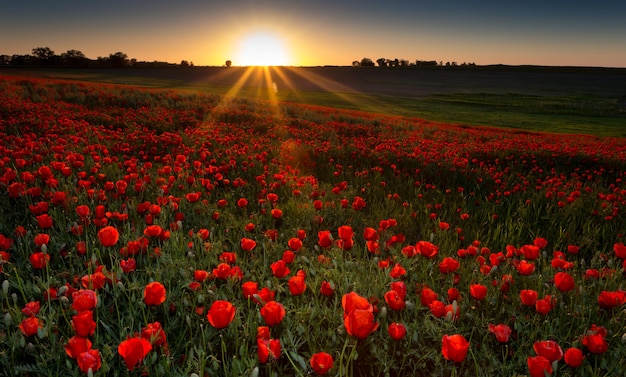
[(77, 345), (44, 221), (133, 351), (242, 202), (528, 297), (540, 242), (247, 244), (501, 331), (89, 360), (620, 250), (280, 269), (200, 275), (595, 340), (324, 239), (30, 325), (82, 210), (296, 285), (397, 271), (574, 357), (93, 281), (572, 249), (548, 349), (448, 265), (31, 309), (221, 314), (249, 289), (427, 296), (273, 313), (345, 244), (192, 197), (399, 287), (345, 232), (539, 366), (396, 330), (153, 231), (154, 294), (39, 260), (608, 300), (83, 324), (108, 236), (84, 299), (437, 308), (42, 239), (321, 363), (289, 256), (266, 295), (525, 267), (268, 349), (294, 244), (453, 294), (530, 252), (154, 333), (478, 291), (426, 249), (370, 234), (222, 271), (353, 301), (394, 300), (81, 247), (454, 347), (128, 265), (326, 289), (564, 282), (360, 323), (544, 306)]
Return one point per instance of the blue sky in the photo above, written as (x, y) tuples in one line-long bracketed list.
[(324, 31)]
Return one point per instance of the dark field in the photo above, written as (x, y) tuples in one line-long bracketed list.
[(401, 82), (550, 99)]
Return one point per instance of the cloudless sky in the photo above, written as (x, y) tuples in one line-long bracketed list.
[(325, 32)]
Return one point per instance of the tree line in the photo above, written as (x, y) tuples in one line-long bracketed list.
[(45, 56), (384, 62)]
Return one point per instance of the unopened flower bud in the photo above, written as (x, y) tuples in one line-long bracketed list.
[(7, 319), (382, 313)]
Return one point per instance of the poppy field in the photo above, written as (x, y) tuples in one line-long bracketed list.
[(154, 232)]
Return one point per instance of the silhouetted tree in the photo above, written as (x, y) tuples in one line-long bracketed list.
[(228, 63), (119, 59), (43, 54), (356, 63), (382, 62), (367, 62), (74, 58)]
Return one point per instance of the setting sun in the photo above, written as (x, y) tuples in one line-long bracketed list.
[(261, 49)]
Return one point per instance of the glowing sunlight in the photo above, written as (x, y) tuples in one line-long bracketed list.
[(262, 49)]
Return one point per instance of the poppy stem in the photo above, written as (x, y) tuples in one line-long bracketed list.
[(223, 354), (351, 356)]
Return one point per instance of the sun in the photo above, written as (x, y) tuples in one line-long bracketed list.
[(261, 49)]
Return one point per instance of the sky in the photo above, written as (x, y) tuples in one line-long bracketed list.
[(323, 32)]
